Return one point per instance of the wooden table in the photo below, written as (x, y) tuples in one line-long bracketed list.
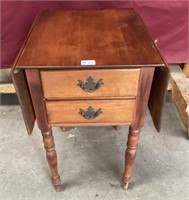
[(86, 68)]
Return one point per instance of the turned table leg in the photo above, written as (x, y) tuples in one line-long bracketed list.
[(34, 83), (51, 158), (130, 155)]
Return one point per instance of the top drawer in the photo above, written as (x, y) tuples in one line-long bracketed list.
[(58, 84)]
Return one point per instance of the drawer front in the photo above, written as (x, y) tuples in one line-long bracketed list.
[(91, 111), (90, 83)]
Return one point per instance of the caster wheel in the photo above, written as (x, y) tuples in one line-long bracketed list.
[(125, 186), (57, 188)]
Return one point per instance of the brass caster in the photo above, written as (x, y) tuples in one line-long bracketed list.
[(56, 183), (125, 186), (57, 188)]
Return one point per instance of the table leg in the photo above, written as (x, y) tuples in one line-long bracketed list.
[(63, 129), (117, 128), (51, 158), (130, 155)]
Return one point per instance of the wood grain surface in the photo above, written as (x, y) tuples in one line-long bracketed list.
[(110, 37), (116, 83), (35, 88), (125, 59), (24, 97), (113, 111)]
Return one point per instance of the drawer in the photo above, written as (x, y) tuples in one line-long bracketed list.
[(58, 84), (91, 111)]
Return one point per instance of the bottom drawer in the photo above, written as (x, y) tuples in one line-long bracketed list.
[(90, 111)]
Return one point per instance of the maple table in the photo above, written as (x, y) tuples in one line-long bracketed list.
[(86, 68)]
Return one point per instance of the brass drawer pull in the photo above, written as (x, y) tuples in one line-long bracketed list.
[(90, 113), (90, 85)]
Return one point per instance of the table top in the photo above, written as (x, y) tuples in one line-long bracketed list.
[(109, 37)]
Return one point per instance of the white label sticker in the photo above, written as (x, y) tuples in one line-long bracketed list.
[(88, 62)]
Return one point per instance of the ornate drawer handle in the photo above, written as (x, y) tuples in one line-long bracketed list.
[(90, 85), (90, 113)]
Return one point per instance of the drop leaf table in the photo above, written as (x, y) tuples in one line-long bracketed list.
[(89, 67)]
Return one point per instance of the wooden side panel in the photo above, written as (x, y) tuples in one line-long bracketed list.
[(20, 83), (35, 88), (116, 83), (113, 111), (186, 70), (180, 92), (145, 82), (157, 95), (22, 90), (7, 88)]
